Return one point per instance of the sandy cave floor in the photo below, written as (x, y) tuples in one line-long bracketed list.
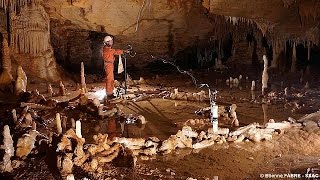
[(292, 152)]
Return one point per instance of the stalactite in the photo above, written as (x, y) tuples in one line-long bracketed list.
[(309, 53), (277, 47), (285, 47), (139, 14), (6, 63), (30, 29), (294, 59), (309, 50)]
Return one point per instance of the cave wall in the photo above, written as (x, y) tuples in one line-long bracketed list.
[(164, 28), (73, 46)]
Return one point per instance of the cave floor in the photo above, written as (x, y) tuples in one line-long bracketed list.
[(291, 152)]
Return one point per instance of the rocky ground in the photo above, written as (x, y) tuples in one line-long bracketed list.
[(291, 150)]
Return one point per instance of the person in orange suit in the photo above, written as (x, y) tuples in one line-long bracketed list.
[(108, 54)]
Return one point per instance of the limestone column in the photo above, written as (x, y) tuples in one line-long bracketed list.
[(6, 75)]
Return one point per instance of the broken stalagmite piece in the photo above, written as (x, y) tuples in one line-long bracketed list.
[(66, 164), (58, 123), (35, 106), (78, 129), (14, 116), (241, 130), (65, 144), (26, 143), (203, 144)]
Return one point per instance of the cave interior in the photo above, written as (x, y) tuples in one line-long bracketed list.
[(202, 87)]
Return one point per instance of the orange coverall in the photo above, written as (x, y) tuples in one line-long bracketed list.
[(108, 57)]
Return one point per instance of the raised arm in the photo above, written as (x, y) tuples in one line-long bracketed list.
[(118, 51)]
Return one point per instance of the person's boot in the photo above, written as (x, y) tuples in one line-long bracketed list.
[(111, 96)]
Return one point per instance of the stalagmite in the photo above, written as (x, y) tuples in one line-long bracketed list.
[(286, 92), (50, 90), (214, 117), (5, 165), (21, 81), (233, 114), (265, 76), (62, 90), (83, 80), (294, 59), (78, 129), (58, 123), (253, 85), (19, 86)]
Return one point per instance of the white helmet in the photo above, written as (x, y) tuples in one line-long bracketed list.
[(107, 38)]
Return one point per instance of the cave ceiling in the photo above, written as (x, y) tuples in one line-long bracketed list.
[(287, 19), (284, 19)]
